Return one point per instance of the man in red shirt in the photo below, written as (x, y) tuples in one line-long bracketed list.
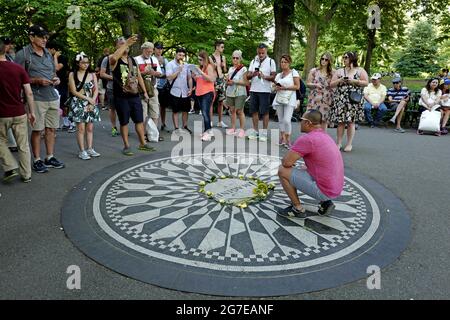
[(13, 115), (322, 178)]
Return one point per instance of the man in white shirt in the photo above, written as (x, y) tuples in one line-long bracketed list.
[(180, 83), (150, 70), (261, 73), (374, 95)]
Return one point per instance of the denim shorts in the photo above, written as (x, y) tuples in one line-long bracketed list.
[(302, 181)]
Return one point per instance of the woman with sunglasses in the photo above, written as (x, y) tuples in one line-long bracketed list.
[(321, 94), (348, 79), (236, 94), (83, 105), (205, 77)]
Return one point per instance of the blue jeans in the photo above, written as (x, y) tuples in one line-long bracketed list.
[(205, 104), (368, 112)]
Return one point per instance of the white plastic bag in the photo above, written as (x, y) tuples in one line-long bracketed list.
[(152, 131), (430, 121)]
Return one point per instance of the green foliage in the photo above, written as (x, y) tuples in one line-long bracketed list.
[(421, 52)]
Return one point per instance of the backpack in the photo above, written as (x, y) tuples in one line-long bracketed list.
[(131, 83)]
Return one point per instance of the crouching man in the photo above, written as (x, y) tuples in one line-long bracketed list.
[(322, 178)]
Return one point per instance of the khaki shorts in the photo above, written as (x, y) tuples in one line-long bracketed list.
[(236, 102), (47, 115), (101, 90), (151, 108)]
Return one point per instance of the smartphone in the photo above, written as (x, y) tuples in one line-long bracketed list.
[(256, 69)]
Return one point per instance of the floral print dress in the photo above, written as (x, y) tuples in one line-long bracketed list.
[(321, 99), (343, 110), (79, 107)]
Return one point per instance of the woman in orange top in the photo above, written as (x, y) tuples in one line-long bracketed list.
[(205, 77)]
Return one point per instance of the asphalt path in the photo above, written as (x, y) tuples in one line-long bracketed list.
[(35, 253)]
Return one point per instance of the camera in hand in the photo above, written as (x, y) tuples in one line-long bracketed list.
[(256, 69)]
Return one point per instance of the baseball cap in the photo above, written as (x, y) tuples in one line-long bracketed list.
[(376, 76), (397, 79), (6, 40), (147, 45), (36, 30), (159, 45), (447, 81)]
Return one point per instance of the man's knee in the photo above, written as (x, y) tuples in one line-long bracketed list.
[(284, 172)]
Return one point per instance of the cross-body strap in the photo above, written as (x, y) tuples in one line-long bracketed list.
[(81, 84)]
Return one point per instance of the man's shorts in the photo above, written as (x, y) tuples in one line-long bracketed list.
[(259, 102), (110, 98), (101, 90), (180, 104), (163, 97), (236, 102), (220, 90), (150, 108), (301, 180), (47, 115), (129, 107)]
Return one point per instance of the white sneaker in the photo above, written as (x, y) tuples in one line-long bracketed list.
[(206, 137), (263, 137), (83, 155), (222, 124), (200, 112), (191, 111), (91, 152)]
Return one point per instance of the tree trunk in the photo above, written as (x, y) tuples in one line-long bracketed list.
[(129, 27), (370, 46), (283, 12), (311, 47)]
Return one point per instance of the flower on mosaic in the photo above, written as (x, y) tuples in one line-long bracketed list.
[(209, 194), (223, 177), (241, 177), (271, 186), (202, 190), (242, 205), (222, 202), (202, 183)]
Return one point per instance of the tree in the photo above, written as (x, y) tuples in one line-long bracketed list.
[(421, 52), (284, 25)]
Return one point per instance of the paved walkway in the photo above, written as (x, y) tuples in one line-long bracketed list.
[(35, 252)]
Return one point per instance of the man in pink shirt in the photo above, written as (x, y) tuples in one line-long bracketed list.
[(322, 178)]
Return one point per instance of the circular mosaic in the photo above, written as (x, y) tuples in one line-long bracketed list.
[(162, 212)]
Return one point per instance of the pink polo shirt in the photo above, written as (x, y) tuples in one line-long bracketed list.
[(323, 161)]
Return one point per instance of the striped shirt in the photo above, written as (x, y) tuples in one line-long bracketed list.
[(398, 95)]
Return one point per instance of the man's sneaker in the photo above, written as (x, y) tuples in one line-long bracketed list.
[(400, 130), (191, 111), (25, 180), (93, 153), (13, 149), (127, 152), (292, 212), (39, 166), (114, 132), (9, 175), (187, 129), (83, 155), (72, 129), (263, 137), (326, 207), (146, 147), (392, 120), (53, 163), (222, 124)]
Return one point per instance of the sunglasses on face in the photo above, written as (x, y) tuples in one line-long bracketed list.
[(324, 59), (345, 57), (395, 82), (235, 58)]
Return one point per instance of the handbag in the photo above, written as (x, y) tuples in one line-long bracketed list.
[(131, 83), (354, 96), (68, 102), (284, 97), (430, 121), (149, 87)]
